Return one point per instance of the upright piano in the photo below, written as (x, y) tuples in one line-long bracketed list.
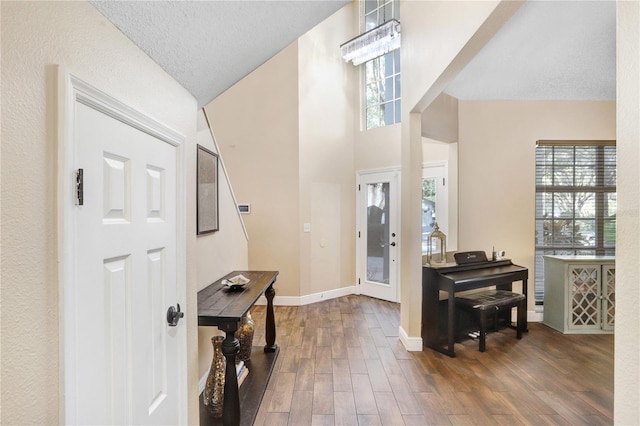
[(456, 277)]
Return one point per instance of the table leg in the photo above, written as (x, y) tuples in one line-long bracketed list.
[(270, 327), (231, 405)]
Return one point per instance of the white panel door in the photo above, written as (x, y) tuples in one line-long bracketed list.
[(378, 244), (127, 357)]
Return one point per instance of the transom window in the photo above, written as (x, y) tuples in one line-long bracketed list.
[(576, 201)]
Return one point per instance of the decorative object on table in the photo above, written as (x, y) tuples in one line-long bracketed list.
[(437, 247), (207, 191), (236, 282), (213, 397), (245, 337)]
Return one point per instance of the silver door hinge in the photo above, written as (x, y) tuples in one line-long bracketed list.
[(79, 187)]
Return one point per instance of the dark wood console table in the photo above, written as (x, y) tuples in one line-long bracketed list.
[(219, 306)]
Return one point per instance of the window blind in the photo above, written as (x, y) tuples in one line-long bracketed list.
[(575, 201)]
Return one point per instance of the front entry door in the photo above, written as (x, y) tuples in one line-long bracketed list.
[(378, 235), (124, 363)]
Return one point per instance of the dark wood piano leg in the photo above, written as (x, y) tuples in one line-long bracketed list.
[(270, 330), (451, 320), (525, 327), (231, 404)]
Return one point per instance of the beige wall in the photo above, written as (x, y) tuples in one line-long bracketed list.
[(327, 118), (256, 128), (220, 252), (377, 148), (497, 168), (627, 342), (286, 132), (440, 119)]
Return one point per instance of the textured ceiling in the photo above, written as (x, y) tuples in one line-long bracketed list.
[(207, 46), (549, 50)]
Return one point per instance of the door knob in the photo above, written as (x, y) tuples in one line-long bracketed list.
[(388, 244), (173, 315)]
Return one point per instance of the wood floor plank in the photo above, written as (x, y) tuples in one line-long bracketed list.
[(416, 379), (389, 361), (308, 347), (324, 362), (277, 419), (341, 376), (323, 420), (357, 364), (282, 393), (290, 361), (432, 410), (369, 349), (339, 348), (369, 420), (363, 395), (305, 376), (324, 336), (404, 396), (388, 409), (323, 394), (345, 408), (377, 376), (301, 408), (412, 420), (261, 415)]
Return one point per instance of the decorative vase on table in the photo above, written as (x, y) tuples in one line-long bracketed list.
[(245, 337), (213, 397)]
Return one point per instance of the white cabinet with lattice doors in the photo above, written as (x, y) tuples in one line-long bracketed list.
[(579, 293)]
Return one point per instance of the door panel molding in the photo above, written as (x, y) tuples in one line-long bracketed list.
[(71, 91)]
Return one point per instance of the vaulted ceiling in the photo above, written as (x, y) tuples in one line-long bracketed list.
[(207, 46), (548, 50)]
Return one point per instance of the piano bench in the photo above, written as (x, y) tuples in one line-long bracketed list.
[(491, 302)]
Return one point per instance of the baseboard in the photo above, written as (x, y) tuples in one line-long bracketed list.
[(533, 316), (412, 344), (308, 299)]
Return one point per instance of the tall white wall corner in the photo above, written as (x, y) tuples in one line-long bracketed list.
[(412, 344)]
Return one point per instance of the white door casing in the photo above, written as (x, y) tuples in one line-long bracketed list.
[(438, 172), (378, 234), (122, 263)]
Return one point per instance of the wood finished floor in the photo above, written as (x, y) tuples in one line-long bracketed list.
[(341, 362)]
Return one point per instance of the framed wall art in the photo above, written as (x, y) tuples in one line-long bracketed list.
[(207, 191)]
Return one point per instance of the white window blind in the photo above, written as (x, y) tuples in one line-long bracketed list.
[(575, 201)]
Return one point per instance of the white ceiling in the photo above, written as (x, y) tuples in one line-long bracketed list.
[(208, 46), (554, 50), (549, 50)]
